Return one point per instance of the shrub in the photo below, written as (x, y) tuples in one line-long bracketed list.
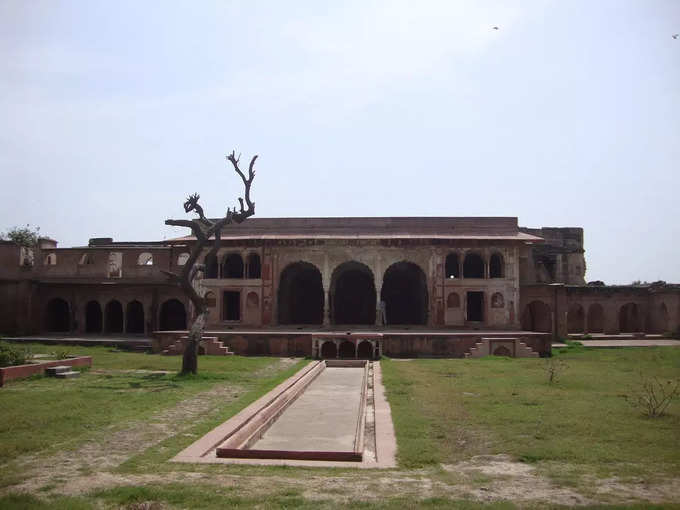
[(61, 354), (653, 396), (554, 367), (11, 355)]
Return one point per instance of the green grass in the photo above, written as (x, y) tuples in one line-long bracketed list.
[(449, 410), (44, 413)]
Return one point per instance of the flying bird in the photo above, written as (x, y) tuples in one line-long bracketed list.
[(675, 36), (496, 28)]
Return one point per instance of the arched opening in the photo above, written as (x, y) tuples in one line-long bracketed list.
[(353, 295), (628, 318), (57, 316), (113, 317), (93, 317), (329, 350), (473, 266), (452, 267), (145, 259), (50, 259), (502, 350), (134, 317), (182, 258), (453, 300), (346, 350), (86, 259), (576, 319), (497, 300), (662, 320), (253, 308), (211, 267), (365, 350), (210, 299), (475, 306), (595, 318), (496, 266), (232, 267), (300, 295), (173, 316), (254, 266), (404, 292), (537, 316)]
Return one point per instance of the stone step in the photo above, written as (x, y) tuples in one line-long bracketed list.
[(67, 375), (60, 369)]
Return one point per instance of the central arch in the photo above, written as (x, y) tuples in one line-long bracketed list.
[(404, 292), (300, 296), (352, 295)]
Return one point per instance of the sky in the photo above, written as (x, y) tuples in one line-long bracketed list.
[(567, 115)]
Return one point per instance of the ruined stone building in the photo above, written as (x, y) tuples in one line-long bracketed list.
[(415, 286)]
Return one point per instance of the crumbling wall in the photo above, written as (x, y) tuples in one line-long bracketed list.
[(559, 259)]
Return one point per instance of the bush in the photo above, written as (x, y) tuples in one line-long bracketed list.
[(554, 367), (11, 355), (653, 396), (61, 354)]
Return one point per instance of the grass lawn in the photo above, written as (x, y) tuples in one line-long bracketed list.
[(446, 411), (47, 413)]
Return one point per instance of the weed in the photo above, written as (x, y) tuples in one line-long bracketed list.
[(654, 395)]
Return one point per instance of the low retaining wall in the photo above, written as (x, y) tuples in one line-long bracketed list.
[(394, 345), (21, 371)]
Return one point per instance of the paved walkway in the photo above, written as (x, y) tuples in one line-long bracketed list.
[(323, 418), (639, 342)]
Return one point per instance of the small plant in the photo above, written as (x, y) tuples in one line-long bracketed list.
[(587, 336), (654, 395), (11, 355), (61, 354), (554, 368)]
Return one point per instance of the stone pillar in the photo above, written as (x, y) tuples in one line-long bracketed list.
[(326, 307)]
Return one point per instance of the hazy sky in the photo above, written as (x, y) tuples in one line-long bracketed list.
[(568, 115)]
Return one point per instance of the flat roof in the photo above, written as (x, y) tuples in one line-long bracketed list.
[(492, 228)]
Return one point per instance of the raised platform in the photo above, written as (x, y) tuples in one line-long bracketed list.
[(131, 342), (397, 343)]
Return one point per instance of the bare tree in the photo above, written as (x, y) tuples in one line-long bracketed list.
[(204, 229)]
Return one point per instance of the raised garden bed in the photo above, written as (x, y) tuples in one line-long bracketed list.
[(38, 367)]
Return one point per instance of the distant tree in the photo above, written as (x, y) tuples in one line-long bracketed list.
[(26, 237), (204, 229)]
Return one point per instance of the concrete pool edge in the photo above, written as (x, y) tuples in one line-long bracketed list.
[(203, 450)]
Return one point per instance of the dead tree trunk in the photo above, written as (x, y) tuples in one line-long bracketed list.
[(203, 230)]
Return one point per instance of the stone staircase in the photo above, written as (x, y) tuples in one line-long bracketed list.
[(512, 347), (209, 345), (61, 372)]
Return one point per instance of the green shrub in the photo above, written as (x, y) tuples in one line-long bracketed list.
[(11, 355), (61, 354)]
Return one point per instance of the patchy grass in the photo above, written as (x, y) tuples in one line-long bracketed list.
[(45, 413), (449, 410), (215, 497)]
